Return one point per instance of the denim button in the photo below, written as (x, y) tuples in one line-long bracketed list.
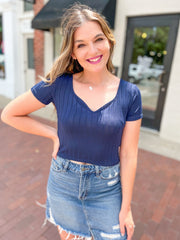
[(83, 168)]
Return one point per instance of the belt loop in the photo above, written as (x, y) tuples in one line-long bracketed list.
[(65, 164), (97, 170)]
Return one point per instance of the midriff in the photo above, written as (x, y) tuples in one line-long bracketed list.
[(82, 163)]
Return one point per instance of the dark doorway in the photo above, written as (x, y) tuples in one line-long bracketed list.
[(149, 50)]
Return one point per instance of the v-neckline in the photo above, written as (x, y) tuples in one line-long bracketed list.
[(82, 102)]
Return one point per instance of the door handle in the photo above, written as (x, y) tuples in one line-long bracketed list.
[(163, 89), (160, 79)]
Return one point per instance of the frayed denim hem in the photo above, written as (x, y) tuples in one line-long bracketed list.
[(77, 236)]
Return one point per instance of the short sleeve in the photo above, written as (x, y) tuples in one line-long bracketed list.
[(135, 108), (43, 92)]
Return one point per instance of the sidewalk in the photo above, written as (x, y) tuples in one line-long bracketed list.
[(24, 165)]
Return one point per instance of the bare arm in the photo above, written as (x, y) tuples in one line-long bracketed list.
[(128, 161), (16, 114)]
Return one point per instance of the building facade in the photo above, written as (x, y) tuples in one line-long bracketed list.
[(146, 53), (160, 90), (17, 36)]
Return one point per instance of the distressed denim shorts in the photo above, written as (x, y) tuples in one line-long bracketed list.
[(85, 200)]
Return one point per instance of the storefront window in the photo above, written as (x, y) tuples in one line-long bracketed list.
[(57, 42), (2, 58)]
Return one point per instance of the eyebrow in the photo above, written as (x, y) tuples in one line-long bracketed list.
[(98, 35)]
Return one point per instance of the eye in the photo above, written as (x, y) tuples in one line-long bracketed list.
[(99, 39), (80, 45)]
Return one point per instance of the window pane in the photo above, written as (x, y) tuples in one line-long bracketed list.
[(30, 53), (28, 6), (2, 56), (147, 64)]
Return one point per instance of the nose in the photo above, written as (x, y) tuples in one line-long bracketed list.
[(92, 49)]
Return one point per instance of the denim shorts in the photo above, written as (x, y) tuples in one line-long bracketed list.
[(85, 200)]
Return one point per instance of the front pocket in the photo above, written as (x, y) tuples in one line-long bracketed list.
[(56, 166), (110, 173)]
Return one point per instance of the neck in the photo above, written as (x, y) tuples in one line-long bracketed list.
[(96, 78)]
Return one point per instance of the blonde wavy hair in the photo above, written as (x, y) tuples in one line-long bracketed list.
[(73, 18)]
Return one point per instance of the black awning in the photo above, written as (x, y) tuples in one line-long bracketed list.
[(50, 15)]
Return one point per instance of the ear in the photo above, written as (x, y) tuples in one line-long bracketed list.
[(73, 56)]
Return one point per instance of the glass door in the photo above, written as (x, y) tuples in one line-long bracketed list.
[(150, 43)]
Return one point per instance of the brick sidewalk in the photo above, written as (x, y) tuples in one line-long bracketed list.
[(24, 165)]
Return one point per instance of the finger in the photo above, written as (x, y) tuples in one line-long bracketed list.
[(130, 231), (54, 155), (122, 229), (122, 225), (55, 150)]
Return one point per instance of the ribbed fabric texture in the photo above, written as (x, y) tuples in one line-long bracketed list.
[(86, 135)]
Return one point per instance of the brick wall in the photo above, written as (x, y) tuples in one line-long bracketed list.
[(38, 43)]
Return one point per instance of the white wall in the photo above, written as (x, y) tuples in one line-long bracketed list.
[(8, 12), (170, 124), (24, 29), (16, 24)]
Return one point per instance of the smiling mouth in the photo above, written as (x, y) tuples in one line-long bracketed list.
[(95, 60)]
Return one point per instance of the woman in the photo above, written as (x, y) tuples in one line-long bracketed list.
[(94, 157)]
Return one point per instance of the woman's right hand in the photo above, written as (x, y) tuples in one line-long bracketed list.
[(56, 145)]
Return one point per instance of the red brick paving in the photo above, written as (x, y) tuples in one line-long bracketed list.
[(24, 166)]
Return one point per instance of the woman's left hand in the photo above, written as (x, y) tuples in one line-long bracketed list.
[(126, 222)]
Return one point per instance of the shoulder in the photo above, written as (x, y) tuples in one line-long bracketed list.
[(129, 88), (47, 86), (58, 82), (62, 78)]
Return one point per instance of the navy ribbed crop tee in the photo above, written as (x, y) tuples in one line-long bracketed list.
[(86, 135)]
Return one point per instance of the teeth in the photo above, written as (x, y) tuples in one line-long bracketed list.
[(94, 60)]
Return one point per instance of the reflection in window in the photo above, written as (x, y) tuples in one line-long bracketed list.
[(147, 63), (2, 57), (150, 42)]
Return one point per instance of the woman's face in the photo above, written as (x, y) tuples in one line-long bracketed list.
[(91, 47)]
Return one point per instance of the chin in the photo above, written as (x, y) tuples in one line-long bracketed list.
[(96, 68)]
